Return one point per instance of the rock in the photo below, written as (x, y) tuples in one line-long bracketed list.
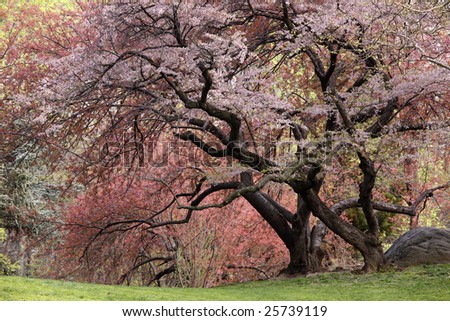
[(422, 245)]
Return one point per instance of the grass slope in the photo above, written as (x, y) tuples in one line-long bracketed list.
[(418, 283)]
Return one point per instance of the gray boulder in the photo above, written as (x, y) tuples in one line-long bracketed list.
[(422, 245)]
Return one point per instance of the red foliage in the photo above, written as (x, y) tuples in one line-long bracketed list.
[(105, 234)]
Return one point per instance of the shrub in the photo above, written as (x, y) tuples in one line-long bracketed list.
[(6, 266)]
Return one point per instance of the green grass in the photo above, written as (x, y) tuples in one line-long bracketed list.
[(419, 283)]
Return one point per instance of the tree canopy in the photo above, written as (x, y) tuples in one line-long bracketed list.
[(331, 102)]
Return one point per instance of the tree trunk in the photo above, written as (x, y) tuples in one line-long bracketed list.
[(305, 254), (373, 255), (316, 254), (302, 260), (298, 261)]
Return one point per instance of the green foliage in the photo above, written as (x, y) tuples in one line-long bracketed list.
[(25, 193), (418, 283), (432, 218), (47, 4), (6, 266), (2, 234), (356, 216)]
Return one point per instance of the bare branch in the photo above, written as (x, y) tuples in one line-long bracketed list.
[(126, 275), (283, 176), (421, 126), (232, 266), (166, 271), (411, 210)]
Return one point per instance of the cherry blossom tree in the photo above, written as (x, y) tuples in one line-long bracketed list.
[(249, 96)]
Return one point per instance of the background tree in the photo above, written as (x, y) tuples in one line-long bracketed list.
[(28, 192)]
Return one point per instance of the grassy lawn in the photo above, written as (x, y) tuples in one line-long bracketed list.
[(418, 283)]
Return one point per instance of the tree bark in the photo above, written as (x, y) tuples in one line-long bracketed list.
[(374, 258), (305, 254)]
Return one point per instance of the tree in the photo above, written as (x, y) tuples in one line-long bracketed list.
[(299, 95)]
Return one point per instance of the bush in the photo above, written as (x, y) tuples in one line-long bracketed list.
[(6, 266)]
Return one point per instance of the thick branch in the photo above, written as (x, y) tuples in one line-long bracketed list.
[(189, 103), (246, 157), (337, 100), (365, 114), (208, 126), (333, 60), (207, 86), (211, 151), (283, 211), (344, 229), (287, 20), (365, 193), (318, 65), (268, 211), (385, 116), (231, 119), (240, 191), (410, 210)]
